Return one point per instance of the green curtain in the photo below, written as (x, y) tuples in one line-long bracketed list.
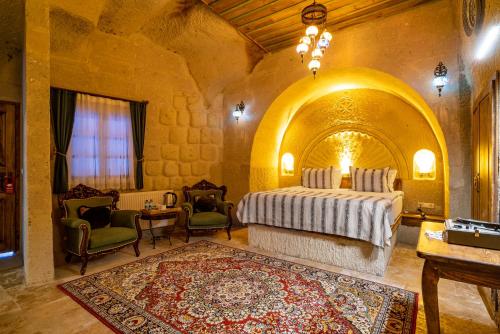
[(138, 115), (62, 114)]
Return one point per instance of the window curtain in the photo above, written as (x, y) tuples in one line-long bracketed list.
[(101, 150), (138, 116), (62, 114)]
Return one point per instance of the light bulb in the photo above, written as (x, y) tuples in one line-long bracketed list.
[(440, 81), (305, 40), (323, 43), (314, 65), (302, 48), (326, 35), (317, 54), (312, 31)]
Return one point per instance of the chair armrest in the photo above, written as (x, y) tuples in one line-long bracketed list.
[(77, 234), (75, 223), (188, 208), (124, 218), (224, 207)]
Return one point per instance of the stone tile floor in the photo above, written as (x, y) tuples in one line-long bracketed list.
[(44, 309)]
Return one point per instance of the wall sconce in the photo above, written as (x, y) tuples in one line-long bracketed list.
[(287, 164), (238, 111), (424, 165), (440, 79)]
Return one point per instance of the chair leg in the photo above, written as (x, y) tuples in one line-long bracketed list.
[(68, 257), (187, 236), (136, 248), (229, 233), (85, 259)]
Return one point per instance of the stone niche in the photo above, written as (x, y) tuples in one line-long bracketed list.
[(377, 128)]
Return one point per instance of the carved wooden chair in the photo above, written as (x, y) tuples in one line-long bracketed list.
[(84, 241), (206, 208)]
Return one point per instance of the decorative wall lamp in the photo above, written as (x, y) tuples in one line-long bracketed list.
[(440, 79), (238, 111), (345, 162), (287, 164), (424, 165)]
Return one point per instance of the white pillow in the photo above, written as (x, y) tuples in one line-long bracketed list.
[(392, 178), (373, 180), (322, 178)]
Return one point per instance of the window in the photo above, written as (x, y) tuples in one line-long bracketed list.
[(101, 149)]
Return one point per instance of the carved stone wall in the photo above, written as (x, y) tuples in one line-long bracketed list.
[(377, 128)]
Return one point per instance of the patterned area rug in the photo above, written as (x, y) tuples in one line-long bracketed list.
[(209, 288)]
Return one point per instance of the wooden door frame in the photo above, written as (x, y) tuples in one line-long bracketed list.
[(492, 88), (17, 174), (495, 105)]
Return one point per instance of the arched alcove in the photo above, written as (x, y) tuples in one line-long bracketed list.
[(264, 164)]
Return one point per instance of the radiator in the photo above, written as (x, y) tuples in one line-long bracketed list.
[(135, 201)]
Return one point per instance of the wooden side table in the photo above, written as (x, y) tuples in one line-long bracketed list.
[(151, 215), (471, 265)]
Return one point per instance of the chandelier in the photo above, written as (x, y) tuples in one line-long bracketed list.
[(314, 18)]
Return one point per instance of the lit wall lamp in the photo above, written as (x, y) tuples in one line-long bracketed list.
[(345, 162), (424, 165), (440, 79), (287, 164), (238, 111)]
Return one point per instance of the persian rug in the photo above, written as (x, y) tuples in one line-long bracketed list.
[(206, 287)]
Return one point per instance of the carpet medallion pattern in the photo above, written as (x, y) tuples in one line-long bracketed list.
[(209, 288)]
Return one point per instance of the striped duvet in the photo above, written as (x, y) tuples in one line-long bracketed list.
[(359, 215)]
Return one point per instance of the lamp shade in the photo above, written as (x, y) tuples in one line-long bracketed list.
[(312, 31), (287, 164), (424, 165)]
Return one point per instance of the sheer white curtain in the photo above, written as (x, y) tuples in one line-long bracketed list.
[(101, 153)]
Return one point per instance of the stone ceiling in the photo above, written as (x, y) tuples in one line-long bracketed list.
[(213, 49)]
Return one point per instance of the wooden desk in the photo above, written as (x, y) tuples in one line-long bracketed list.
[(471, 265), (151, 215)]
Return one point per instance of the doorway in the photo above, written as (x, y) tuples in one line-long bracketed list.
[(9, 180)]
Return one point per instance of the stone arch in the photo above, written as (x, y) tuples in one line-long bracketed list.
[(264, 161)]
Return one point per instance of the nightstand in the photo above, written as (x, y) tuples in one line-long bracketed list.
[(415, 219)]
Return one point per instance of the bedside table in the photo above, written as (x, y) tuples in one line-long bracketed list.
[(414, 219)]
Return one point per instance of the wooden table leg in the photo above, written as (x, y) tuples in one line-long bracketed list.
[(152, 235), (430, 279)]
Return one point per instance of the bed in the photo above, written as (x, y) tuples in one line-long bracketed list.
[(341, 227)]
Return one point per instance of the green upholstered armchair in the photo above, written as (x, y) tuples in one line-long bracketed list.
[(219, 218), (83, 241)]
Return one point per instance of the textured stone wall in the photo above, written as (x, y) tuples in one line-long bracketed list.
[(11, 40), (37, 221), (183, 141), (408, 46), (396, 126)]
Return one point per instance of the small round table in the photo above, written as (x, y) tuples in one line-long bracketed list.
[(168, 213)]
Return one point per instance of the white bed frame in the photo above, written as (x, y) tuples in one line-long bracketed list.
[(334, 250)]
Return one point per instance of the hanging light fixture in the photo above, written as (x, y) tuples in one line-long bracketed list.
[(314, 18), (440, 79), (238, 111)]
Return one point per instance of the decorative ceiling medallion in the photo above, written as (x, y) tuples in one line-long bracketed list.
[(472, 15)]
